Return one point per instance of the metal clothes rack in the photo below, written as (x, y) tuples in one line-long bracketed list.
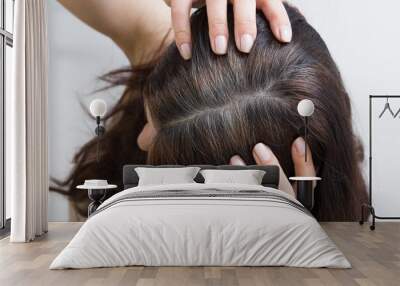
[(369, 206)]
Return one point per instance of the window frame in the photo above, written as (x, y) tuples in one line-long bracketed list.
[(6, 39)]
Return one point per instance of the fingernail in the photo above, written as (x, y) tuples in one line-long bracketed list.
[(262, 152), (246, 43), (300, 146), (285, 33), (220, 44), (236, 160), (186, 51)]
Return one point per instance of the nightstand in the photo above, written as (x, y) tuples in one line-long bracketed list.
[(305, 190), (96, 194)]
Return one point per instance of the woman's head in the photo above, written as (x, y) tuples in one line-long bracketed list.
[(229, 103), (212, 107), (206, 110)]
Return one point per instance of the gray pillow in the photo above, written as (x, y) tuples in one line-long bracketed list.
[(165, 176), (246, 177)]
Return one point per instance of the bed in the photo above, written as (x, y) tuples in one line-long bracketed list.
[(201, 224)]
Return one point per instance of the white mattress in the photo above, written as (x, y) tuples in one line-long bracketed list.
[(202, 231)]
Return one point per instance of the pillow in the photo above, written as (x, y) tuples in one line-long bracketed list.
[(247, 177), (165, 176)]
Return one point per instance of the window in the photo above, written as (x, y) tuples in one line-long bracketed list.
[(6, 44)]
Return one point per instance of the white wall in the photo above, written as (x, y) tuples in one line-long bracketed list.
[(363, 37), (78, 55)]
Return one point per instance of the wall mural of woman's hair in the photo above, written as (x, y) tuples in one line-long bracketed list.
[(212, 107)]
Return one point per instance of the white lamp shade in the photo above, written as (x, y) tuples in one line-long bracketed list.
[(305, 107), (98, 107)]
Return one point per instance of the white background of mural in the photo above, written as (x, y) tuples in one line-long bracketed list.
[(361, 35)]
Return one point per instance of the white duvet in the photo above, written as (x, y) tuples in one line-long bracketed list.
[(203, 231)]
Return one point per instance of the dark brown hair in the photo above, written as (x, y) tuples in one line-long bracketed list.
[(212, 107)]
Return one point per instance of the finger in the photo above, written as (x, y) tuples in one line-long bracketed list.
[(301, 167), (278, 19), (237, 161), (180, 13), (217, 24), (264, 156), (245, 24)]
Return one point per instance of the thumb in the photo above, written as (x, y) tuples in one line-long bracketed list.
[(264, 156), (301, 167)]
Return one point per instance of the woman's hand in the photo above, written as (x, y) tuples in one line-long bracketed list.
[(245, 23), (264, 156)]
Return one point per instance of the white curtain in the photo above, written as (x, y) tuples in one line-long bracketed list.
[(26, 123)]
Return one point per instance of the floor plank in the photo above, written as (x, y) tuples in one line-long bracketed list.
[(374, 255)]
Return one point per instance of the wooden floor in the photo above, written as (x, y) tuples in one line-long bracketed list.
[(375, 257)]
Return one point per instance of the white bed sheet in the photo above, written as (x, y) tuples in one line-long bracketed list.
[(200, 232)]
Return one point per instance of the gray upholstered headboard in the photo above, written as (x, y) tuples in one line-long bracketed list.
[(271, 177)]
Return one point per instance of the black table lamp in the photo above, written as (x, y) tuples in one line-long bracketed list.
[(305, 108), (305, 188), (98, 109)]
